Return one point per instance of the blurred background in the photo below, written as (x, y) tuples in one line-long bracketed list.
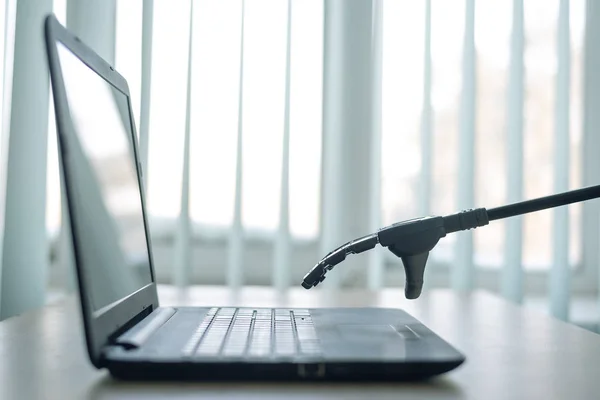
[(469, 103)]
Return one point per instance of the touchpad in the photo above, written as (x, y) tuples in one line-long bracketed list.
[(362, 333)]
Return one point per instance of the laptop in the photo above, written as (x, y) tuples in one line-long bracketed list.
[(126, 329)]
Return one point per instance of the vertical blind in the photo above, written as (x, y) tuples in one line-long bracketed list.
[(270, 132)]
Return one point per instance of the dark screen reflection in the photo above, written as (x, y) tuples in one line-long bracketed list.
[(109, 225)]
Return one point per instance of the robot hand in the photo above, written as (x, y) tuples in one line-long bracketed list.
[(413, 239), (409, 240)]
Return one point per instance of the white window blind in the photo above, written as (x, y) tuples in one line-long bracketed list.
[(266, 144)]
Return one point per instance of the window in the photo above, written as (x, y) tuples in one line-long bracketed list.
[(215, 100)]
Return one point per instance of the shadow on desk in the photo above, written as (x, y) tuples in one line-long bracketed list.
[(108, 387)]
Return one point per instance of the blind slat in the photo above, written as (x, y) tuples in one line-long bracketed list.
[(560, 272), (375, 260), (348, 113), (330, 211), (146, 67), (183, 257), (7, 68), (512, 274), (24, 257), (281, 257), (463, 269), (427, 144), (426, 121), (235, 248), (591, 140)]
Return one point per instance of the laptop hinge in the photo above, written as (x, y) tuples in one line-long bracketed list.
[(139, 334)]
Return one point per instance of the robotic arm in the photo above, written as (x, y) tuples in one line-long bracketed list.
[(412, 240)]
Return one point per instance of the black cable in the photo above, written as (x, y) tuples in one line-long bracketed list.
[(543, 203)]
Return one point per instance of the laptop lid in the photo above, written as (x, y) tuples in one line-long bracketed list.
[(103, 188)]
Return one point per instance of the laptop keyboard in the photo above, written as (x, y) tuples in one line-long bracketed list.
[(263, 333)]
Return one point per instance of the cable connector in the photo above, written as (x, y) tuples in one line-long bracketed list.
[(466, 219)]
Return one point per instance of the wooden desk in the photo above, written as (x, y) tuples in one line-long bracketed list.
[(512, 353)]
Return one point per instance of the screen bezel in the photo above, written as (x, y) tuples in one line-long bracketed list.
[(101, 324)]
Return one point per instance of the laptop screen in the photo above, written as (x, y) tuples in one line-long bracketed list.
[(104, 187)]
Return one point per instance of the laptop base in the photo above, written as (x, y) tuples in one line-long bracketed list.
[(275, 372), (367, 344)]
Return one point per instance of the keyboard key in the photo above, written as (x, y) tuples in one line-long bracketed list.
[(193, 341), (231, 332)]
